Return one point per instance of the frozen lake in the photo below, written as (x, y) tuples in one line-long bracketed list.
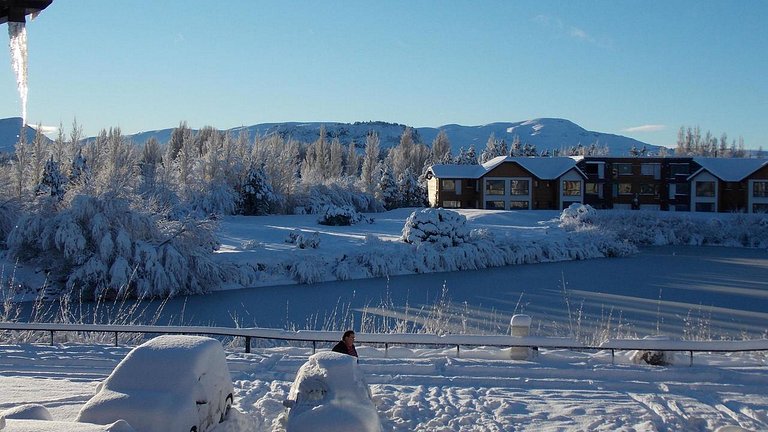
[(696, 292)]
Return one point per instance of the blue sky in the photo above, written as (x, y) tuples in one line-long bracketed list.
[(640, 69)]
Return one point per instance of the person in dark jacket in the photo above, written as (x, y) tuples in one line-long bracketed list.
[(347, 344)]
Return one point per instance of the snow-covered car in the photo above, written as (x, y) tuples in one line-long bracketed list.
[(36, 418), (168, 384), (26, 425), (330, 394)]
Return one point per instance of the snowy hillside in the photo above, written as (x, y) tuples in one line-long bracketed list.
[(9, 133), (544, 133)]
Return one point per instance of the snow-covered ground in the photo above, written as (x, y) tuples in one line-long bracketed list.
[(483, 390), (434, 391)]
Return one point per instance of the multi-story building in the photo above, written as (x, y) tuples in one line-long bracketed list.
[(654, 183)]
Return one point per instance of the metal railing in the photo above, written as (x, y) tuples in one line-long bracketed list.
[(387, 339)]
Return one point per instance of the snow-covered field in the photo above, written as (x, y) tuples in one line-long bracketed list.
[(432, 390)]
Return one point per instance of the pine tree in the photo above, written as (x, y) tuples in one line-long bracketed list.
[(53, 182), (386, 188), (256, 194)]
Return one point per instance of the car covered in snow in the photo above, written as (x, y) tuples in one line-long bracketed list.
[(168, 384), (330, 394), (36, 418)]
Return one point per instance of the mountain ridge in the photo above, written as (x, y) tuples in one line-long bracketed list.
[(543, 133)]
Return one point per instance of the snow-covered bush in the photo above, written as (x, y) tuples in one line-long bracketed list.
[(440, 227), (341, 216), (9, 213), (314, 199), (107, 247), (664, 228), (304, 240), (577, 215)]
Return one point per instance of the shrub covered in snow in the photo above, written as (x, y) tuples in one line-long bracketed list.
[(314, 199), (665, 228), (440, 227), (577, 215), (107, 247), (341, 216), (303, 239)]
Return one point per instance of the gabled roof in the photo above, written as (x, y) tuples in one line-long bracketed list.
[(458, 171), (545, 168), (729, 169)]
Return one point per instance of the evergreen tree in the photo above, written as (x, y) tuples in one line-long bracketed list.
[(53, 182), (491, 149), (386, 188), (256, 194)]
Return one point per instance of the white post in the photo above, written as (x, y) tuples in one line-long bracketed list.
[(521, 327)]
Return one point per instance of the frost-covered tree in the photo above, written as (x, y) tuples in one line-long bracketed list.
[(410, 192), (352, 161), (467, 157), (336, 160), (256, 196), (279, 159), (19, 172), (107, 247), (386, 188), (369, 174), (408, 154), (149, 164), (490, 151), (440, 153), (516, 149), (53, 183)]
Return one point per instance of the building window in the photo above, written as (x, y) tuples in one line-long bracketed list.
[(623, 168), (651, 169), (682, 189), (571, 187), (705, 207), (451, 204), (649, 189), (518, 205), (518, 187), (494, 187), (678, 169), (760, 189), (591, 189), (624, 189), (494, 205), (705, 189), (759, 208), (448, 185)]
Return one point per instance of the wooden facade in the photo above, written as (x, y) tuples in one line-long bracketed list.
[(640, 183)]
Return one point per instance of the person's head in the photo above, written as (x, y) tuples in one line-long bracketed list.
[(349, 337)]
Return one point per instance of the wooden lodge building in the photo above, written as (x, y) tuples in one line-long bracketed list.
[(604, 182)]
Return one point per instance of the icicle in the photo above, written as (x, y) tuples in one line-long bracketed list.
[(18, 44)]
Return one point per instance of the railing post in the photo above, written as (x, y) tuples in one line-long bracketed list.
[(613, 354), (247, 344), (458, 353), (115, 338), (314, 347), (386, 350), (51, 337), (691, 363)]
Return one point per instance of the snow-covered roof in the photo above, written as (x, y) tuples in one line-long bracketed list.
[(545, 168), (729, 169)]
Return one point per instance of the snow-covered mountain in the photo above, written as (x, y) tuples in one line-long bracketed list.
[(9, 133), (544, 133)]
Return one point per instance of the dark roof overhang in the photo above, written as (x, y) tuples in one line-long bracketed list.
[(17, 10)]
